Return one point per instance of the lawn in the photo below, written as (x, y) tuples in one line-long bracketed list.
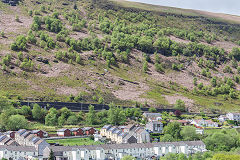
[(75, 141)]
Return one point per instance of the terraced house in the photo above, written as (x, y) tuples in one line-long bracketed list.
[(125, 134), (117, 151)]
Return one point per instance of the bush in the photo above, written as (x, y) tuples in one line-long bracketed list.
[(180, 105), (20, 43), (27, 65), (158, 67)]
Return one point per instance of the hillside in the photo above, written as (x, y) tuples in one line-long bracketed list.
[(103, 51)]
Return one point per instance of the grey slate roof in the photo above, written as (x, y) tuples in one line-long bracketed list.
[(106, 126), (87, 128), (21, 131), (62, 130), (152, 114), (123, 146), (18, 148)]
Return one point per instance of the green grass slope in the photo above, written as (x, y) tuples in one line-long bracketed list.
[(102, 51)]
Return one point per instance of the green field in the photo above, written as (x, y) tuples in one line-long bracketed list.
[(75, 142)]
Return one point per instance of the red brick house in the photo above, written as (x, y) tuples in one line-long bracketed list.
[(77, 132), (89, 130), (64, 132), (38, 133)]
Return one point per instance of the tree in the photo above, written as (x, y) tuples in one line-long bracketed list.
[(91, 115), (189, 133), (16, 122), (38, 113), (61, 120), (26, 111), (72, 120), (152, 110), (222, 156), (51, 118), (116, 115), (167, 138), (51, 156), (220, 141), (128, 158), (173, 156), (180, 105), (173, 129)]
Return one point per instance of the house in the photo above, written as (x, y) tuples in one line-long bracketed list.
[(38, 133), (152, 116), (204, 123), (5, 140), (118, 151), (104, 129), (233, 116), (222, 118), (154, 126), (10, 134), (89, 130), (97, 137), (77, 132), (130, 133), (183, 122), (64, 132), (18, 152)]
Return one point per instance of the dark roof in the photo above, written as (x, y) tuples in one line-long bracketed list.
[(35, 139), (106, 126), (26, 134), (2, 137), (21, 131), (18, 148)]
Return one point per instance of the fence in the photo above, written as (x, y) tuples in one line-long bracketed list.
[(83, 106)]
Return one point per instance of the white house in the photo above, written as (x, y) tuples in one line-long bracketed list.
[(233, 116), (154, 126), (152, 116), (204, 123), (222, 118), (117, 151)]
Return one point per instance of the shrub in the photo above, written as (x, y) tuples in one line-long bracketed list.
[(27, 65), (2, 34), (17, 18), (159, 67), (20, 43)]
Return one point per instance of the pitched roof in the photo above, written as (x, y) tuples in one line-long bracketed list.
[(124, 146), (2, 137), (35, 139), (106, 126), (152, 114), (26, 134), (74, 129), (87, 128), (62, 130), (21, 131), (18, 148)]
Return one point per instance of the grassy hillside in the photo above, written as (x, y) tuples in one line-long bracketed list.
[(101, 51)]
